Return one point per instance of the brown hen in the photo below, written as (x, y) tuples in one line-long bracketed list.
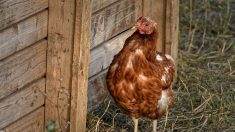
[(139, 77)]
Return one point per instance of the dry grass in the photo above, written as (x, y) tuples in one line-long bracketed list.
[(205, 91)]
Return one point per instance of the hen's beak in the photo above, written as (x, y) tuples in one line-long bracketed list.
[(134, 28)]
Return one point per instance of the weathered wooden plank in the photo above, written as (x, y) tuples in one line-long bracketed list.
[(59, 56), (113, 20), (155, 9), (13, 11), (102, 56), (97, 91), (168, 36), (172, 28), (22, 68), (97, 60), (99, 4), (23, 34), (33, 122), (81, 51), (21, 103)]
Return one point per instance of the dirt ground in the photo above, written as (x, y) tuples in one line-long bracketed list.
[(205, 89)]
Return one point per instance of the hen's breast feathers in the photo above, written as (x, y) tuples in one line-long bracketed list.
[(137, 76)]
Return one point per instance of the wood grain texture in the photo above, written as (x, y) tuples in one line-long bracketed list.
[(156, 10), (23, 34), (59, 56), (22, 68), (81, 51), (13, 11), (172, 28), (102, 56), (168, 26), (21, 103), (97, 91), (99, 4), (33, 122), (113, 20)]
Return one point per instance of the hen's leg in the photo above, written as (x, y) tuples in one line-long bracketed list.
[(154, 125), (136, 124)]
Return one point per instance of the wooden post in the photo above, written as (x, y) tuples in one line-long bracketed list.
[(172, 28), (81, 51), (155, 9), (67, 58), (166, 14), (59, 56)]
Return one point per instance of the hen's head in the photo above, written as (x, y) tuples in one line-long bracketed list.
[(145, 25)]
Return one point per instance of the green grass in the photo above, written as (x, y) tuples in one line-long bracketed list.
[(205, 89)]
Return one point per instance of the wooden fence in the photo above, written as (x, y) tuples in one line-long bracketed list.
[(54, 55)]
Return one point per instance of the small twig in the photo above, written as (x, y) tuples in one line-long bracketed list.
[(192, 38), (204, 31), (113, 121), (206, 101), (98, 122), (173, 124), (230, 68), (166, 118), (223, 48)]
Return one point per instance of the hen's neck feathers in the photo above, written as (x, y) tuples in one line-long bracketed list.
[(147, 43)]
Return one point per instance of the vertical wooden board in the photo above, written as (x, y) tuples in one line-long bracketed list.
[(139, 8), (23, 34), (60, 40), (155, 9), (81, 50), (13, 11), (168, 27), (172, 28), (99, 4), (33, 122), (102, 56), (175, 29), (113, 20), (22, 68), (21, 103)]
